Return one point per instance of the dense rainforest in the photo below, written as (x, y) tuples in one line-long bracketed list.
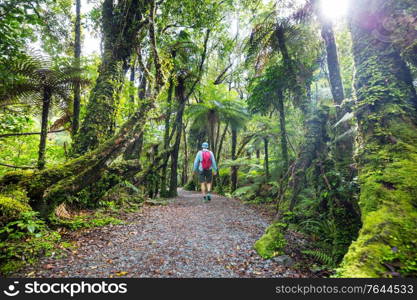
[(309, 107)]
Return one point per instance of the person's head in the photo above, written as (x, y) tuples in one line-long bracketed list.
[(204, 145)]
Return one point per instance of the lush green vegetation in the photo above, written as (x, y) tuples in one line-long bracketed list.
[(312, 117)]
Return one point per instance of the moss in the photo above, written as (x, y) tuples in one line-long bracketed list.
[(388, 235), (272, 242), (387, 156), (11, 266), (13, 202)]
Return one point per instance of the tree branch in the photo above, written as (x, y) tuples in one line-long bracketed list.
[(28, 133), (245, 141), (221, 76), (17, 167), (200, 68)]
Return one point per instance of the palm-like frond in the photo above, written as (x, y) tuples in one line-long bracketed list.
[(226, 111), (29, 77)]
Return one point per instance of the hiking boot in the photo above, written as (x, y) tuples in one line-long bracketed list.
[(205, 199), (208, 197)]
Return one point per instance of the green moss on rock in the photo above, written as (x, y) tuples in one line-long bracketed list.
[(272, 242)]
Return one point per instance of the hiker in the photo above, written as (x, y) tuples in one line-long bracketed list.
[(206, 166)]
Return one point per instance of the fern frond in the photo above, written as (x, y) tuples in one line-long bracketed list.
[(321, 257)]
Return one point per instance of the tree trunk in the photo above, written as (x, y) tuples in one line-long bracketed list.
[(44, 128), (180, 93), (387, 158), (185, 164), (266, 143), (132, 83), (342, 208), (284, 147), (134, 150), (234, 169), (212, 120), (219, 150), (167, 139), (343, 151), (77, 55), (168, 113), (336, 85), (120, 24)]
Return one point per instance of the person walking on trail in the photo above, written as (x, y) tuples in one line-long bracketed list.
[(205, 165)]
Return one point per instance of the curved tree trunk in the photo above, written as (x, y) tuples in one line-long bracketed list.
[(386, 111), (50, 187)]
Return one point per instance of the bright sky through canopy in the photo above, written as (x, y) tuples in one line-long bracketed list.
[(334, 9)]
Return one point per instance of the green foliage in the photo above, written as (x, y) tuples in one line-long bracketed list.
[(191, 185), (22, 21), (24, 240), (321, 256), (27, 225), (246, 192), (86, 221)]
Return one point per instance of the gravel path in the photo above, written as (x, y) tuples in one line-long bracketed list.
[(186, 238)]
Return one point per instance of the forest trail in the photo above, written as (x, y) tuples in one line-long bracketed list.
[(185, 238)]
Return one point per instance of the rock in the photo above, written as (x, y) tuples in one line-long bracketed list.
[(283, 260)]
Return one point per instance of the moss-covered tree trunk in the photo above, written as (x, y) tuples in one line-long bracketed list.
[(387, 151), (120, 24), (180, 94), (50, 187), (164, 192)]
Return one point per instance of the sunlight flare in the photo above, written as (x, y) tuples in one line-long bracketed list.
[(334, 9)]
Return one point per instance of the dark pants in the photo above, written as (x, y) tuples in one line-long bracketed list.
[(205, 176)]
